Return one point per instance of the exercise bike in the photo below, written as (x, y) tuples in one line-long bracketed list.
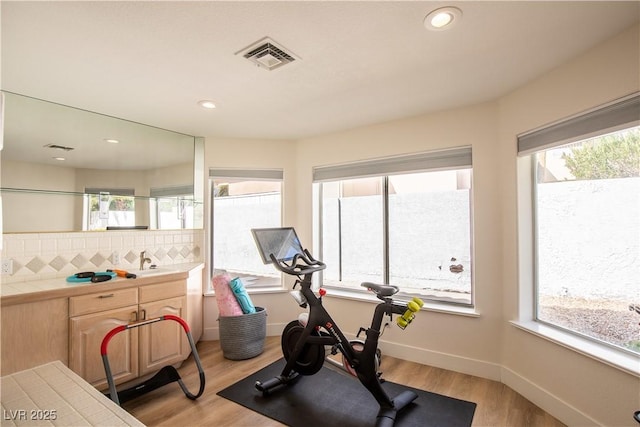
[(304, 341)]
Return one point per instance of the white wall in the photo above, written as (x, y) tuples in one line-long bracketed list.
[(575, 388), (585, 391)]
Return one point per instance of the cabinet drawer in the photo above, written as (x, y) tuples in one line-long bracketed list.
[(101, 301), (160, 291)]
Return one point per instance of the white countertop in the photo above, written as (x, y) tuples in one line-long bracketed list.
[(52, 394)]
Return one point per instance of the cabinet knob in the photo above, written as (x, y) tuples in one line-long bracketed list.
[(107, 296)]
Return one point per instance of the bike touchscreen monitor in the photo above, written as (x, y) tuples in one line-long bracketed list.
[(283, 243)]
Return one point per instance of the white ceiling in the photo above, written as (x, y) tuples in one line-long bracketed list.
[(360, 62)]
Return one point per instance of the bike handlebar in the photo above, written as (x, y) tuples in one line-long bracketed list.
[(301, 263)]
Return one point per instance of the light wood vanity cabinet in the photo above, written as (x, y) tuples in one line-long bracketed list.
[(68, 323), (134, 352)]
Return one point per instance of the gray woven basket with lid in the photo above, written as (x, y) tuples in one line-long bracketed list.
[(242, 337)]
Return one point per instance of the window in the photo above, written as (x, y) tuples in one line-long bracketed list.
[(108, 208), (586, 214), (173, 207), (242, 200), (408, 225)]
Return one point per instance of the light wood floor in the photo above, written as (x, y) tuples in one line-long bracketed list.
[(498, 405)]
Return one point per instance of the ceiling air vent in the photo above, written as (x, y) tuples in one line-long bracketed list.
[(267, 54)]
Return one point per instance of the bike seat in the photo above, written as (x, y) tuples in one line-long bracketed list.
[(381, 290)]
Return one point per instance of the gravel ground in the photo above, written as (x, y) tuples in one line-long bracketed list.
[(610, 321)]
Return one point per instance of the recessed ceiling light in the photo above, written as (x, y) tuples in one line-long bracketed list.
[(112, 141), (207, 104), (442, 18), (60, 159)]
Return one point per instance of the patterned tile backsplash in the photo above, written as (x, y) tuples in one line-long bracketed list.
[(37, 256)]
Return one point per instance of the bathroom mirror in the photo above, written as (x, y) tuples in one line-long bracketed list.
[(67, 169)]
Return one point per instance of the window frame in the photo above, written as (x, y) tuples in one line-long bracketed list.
[(616, 115), (249, 174), (457, 158)]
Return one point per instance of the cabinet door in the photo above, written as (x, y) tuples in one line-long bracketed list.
[(87, 333), (162, 343)]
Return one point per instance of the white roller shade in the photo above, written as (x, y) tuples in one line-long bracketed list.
[(453, 158)]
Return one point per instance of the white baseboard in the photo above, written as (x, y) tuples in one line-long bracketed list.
[(550, 403), (437, 359), (451, 362), (414, 354)]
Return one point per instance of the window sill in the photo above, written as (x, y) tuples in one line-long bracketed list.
[(618, 359), (428, 305)]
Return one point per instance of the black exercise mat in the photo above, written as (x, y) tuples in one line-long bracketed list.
[(329, 398)]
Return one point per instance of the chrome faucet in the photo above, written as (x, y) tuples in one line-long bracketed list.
[(143, 259)]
